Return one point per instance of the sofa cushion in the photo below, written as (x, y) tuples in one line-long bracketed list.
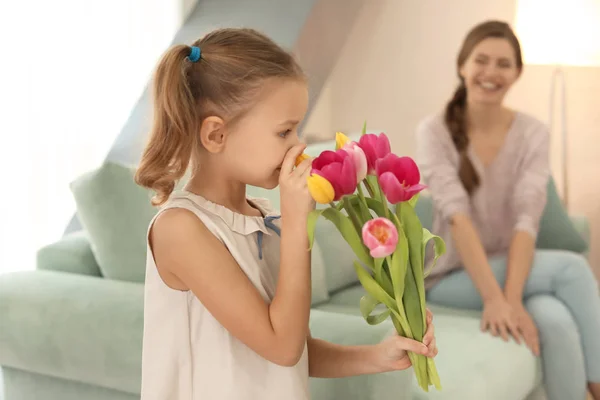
[(72, 253), (556, 227), (471, 364), (75, 327), (115, 212), (557, 230)]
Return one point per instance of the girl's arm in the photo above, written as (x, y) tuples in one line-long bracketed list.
[(329, 360), (183, 247), (528, 202), (187, 252)]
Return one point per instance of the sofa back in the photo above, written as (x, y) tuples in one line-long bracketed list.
[(115, 213)]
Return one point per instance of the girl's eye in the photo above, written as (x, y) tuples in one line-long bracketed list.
[(284, 134)]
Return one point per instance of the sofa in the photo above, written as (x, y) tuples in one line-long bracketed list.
[(72, 328)]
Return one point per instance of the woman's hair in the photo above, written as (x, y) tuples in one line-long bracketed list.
[(220, 74), (455, 116)]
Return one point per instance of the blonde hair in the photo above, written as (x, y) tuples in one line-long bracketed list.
[(225, 81)]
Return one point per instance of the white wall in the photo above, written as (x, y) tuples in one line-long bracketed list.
[(70, 73), (399, 66)]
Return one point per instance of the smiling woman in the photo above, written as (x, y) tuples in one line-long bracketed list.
[(487, 169)]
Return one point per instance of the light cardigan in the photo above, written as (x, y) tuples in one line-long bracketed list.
[(512, 192)]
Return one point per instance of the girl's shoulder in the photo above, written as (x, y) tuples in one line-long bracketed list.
[(220, 218)]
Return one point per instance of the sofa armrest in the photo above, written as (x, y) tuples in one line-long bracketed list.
[(71, 326), (73, 253), (352, 330)]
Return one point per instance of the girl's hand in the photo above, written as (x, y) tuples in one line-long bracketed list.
[(391, 354), (296, 200), (527, 328), (499, 319)]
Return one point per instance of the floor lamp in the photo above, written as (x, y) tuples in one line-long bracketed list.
[(559, 33)]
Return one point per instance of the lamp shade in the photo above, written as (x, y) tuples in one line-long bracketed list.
[(559, 32)]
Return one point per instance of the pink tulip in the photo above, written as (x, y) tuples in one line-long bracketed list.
[(399, 178), (375, 147), (380, 236), (359, 159), (338, 168)]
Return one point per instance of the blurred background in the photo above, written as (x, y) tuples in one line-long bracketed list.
[(72, 72), (74, 76)]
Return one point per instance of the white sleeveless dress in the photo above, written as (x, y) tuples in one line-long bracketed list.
[(187, 354)]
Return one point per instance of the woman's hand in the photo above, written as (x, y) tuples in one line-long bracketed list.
[(498, 318), (296, 200), (391, 354), (527, 328)]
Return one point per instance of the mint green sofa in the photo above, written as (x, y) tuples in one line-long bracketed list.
[(72, 329)]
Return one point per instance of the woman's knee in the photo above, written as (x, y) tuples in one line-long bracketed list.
[(573, 267), (552, 318), (577, 268)]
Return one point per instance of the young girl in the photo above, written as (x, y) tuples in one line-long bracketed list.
[(227, 296), (487, 169)]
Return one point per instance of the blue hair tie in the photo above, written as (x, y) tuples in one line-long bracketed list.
[(195, 54)]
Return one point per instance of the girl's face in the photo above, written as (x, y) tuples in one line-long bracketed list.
[(257, 145), (489, 71)]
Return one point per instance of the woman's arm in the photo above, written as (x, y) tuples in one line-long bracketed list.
[(438, 163), (528, 202), (474, 259), (520, 257)]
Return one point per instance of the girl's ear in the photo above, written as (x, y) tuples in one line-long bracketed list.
[(212, 134)]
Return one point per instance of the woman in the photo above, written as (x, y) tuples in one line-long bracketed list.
[(487, 169)]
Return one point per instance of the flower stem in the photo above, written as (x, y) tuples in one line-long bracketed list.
[(384, 203), (369, 187), (352, 215)]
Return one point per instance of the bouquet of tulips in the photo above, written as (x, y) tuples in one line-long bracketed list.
[(384, 231)]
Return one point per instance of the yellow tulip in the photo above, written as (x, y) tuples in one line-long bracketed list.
[(340, 140), (320, 189), (301, 158)]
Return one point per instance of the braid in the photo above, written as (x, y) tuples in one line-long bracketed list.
[(455, 119)]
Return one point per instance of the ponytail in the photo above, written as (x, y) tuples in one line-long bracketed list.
[(455, 119), (173, 135)]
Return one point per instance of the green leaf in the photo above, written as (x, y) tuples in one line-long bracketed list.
[(311, 225), (376, 206), (360, 209), (372, 288), (398, 266), (378, 269), (346, 228), (381, 276), (413, 305), (439, 246), (413, 200), (414, 232), (367, 305), (364, 128), (372, 180)]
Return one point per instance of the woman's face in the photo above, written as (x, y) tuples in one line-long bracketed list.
[(489, 71)]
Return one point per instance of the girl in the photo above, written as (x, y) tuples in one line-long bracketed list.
[(227, 301), (487, 168)]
